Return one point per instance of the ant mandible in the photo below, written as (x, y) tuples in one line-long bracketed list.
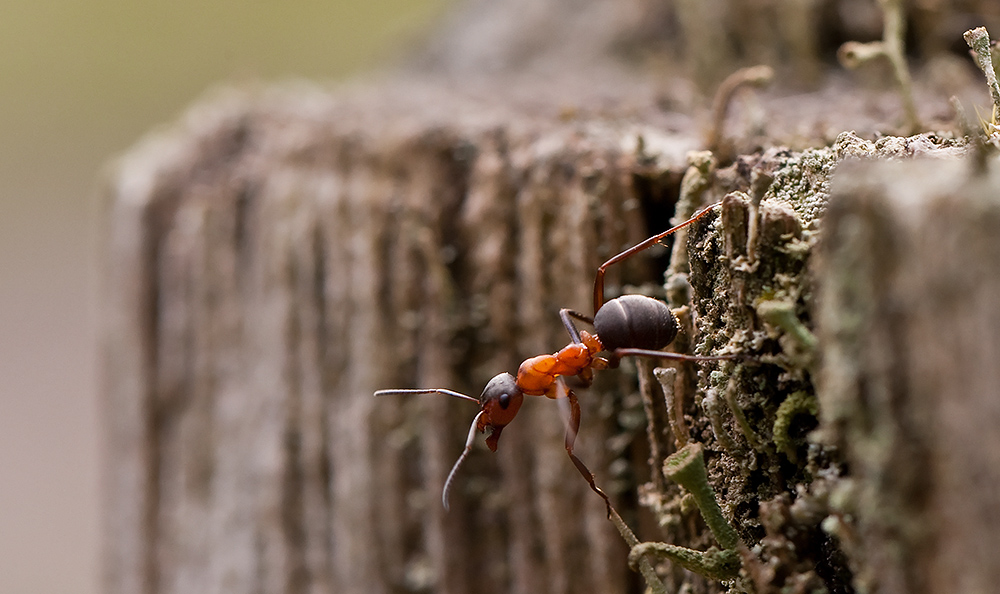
[(630, 325)]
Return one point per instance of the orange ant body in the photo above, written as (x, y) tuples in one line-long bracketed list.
[(633, 325)]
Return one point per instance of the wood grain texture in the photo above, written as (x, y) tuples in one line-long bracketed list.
[(276, 258)]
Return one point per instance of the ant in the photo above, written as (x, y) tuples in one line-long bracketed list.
[(630, 325)]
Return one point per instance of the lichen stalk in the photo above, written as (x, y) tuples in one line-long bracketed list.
[(893, 34), (686, 467), (655, 431), (748, 432), (752, 77), (979, 40), (853, 54), (713, 407), (715, 564), (696, 181), (645, 567), (799, 343), (667, 377)]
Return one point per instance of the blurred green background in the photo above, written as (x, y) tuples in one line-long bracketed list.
[(80, 81)]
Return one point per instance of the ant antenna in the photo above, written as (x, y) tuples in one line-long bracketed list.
[(468, 442), (465, 452), (426, 391)]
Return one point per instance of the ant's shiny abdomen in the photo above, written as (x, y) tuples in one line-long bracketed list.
[(635, 322)]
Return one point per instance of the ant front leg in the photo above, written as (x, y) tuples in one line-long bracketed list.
[(572, 418), (566, 316), (570, 408)]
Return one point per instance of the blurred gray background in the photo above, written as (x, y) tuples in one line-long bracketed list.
[(81, 81)]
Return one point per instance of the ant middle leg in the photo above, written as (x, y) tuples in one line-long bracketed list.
[(572, 418)]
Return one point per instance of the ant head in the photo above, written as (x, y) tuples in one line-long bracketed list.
[(500, 402)]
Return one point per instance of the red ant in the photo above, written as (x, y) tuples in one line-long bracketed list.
[(628, 325)]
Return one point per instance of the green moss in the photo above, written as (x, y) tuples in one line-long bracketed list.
[(799, 403)]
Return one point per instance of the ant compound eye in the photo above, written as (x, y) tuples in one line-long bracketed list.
[(504, 400)]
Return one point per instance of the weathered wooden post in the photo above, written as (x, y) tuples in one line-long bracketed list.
[(278, 255), (909, 318)]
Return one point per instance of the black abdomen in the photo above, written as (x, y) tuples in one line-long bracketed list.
[(635, 322)]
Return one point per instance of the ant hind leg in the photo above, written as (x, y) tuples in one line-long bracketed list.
[(617, 355)]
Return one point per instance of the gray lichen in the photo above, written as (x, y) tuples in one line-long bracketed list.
[(891, 47), (752, 293)]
